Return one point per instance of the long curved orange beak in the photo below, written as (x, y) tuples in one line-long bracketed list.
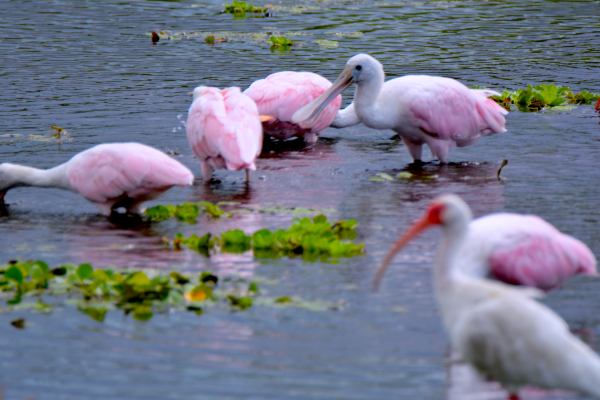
[(412, 232)]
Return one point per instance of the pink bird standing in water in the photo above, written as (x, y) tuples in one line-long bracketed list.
[(523, 250), (224, 130), (111, 176), (499, 329), (280, 95), (439, 112)]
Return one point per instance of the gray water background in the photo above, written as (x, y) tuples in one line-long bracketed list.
[(90, 67)]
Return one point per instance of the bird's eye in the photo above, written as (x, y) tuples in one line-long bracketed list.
[(358, 67)]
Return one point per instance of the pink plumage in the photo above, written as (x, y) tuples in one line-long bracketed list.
[(111, 175), (124, 174), (224, 130), (281, 94), (524, 250), (439, 112)]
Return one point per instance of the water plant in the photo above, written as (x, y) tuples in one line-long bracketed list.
[(280, 43), (534, 98), (313, 240), (97, 291), (240, 8), (187, 212)]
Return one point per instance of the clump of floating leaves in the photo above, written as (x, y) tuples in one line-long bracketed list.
[(240, 8), (280, 43), (310, 239), (137, 293), (187, 212), (534, 98)]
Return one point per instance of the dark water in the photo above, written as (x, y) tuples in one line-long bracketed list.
[(90, 67)]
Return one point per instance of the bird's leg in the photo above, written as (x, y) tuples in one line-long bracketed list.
[(415, 149), (207, 171), (247, 175)]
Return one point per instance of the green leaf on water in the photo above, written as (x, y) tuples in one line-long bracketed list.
[(14, 273), (404, 175), (142, 313), (283, 299), (97, 314), (85, 271), (240, 302)]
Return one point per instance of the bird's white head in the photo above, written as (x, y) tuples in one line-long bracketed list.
[(364, 68), (449, 211), (360, 68), (199, 91)]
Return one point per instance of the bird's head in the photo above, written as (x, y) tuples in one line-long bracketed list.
[(360, 68), (363, 67), (447, 210)]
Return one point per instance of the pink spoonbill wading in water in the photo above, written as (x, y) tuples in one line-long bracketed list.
[(110, 175), (224, 130), (281, 94), (439, 112), (523, 250), (499, 329)]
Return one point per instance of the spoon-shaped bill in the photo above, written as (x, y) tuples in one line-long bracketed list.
[(307, 115)]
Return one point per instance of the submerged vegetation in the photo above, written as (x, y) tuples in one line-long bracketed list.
[(313, 240), (534, 98), (187, 212), (97, 291)]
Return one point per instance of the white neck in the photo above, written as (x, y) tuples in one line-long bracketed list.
[(13, 175), (345, 117), (447, 278), (365, 100)]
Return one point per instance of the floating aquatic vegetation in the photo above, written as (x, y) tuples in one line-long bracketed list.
[(327, 43), (97, 291), (280, 43), (57, 134), (187, 212), (240, 9), (311, 239), (404, 175), (534, 98), (354, 34)]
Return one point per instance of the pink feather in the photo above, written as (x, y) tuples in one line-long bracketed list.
[(281, 94), (526, 250)]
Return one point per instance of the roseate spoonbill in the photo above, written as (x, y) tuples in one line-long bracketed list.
[(281, 94), (223, 129), (439, 112), (597, 106), (523, 250), (110, 175), (499, 329)]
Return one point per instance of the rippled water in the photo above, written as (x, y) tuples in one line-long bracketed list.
[(90, 67)]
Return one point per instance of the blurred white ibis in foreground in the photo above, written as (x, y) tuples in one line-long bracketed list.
[(499, 329), (439, 112), (110, 175), (523, 250), (224, 130), (280, 95)]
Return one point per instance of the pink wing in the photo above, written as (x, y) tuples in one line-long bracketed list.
[(223, 126), (108, 171), (281, 94), (447, 109), (526, 250)]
